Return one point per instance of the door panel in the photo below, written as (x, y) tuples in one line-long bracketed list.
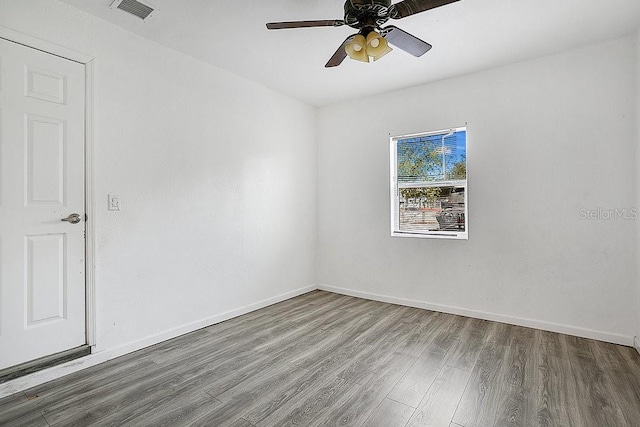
[(42, 265), (45, 281), (45, 161)]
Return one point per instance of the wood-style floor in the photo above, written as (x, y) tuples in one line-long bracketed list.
[(327, 359)]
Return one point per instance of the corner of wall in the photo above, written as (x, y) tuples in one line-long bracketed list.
[(636, 344), (316, 244)]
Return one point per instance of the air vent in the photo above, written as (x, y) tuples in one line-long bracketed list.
[(134, 7)]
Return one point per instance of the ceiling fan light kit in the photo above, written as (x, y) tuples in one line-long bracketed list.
[(360, 48), (377, 46), (372, 40)]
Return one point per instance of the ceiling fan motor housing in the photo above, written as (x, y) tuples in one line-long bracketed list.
[(366, 13)]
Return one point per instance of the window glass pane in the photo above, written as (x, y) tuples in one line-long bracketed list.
[(432, 158), (432, 208)]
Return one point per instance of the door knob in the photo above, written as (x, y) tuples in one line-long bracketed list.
[(73, 218)]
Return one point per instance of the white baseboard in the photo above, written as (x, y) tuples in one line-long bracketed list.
[(636, 344), (46, 375), (530, 323)]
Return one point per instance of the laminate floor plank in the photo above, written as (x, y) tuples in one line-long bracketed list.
[(336, 321), (359, 371), (30, 419), (498, 334), (317, 298), (520, 357), (554, 404), (336, 360), (611, 357), (69, 391), (471, 340), (457, 325), (287, 396), (415, 315), (416, 382), (332, 319), (227, 357), (97, 408), (293, 310), (189, 412), (308, 406), (390, 414), (439, 404), (496, 394), (506, 405), (348, 334), (318, 376), (587, 381), (443, 340), (261, 388), (233, 326), (168, 349), (159, 405), (627, 390), (580, 349), (375, 334), (515, 408), (18, 409), (480, 395), (15, 406), (328, 359), (203, 353), (258, 363), (78, 403), (549, 343), (396, 336), (321, 311), (219, 415), (426, 330), (356, 406), (300, 338), (11, 401), (241, 422)]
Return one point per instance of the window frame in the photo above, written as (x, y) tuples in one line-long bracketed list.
[(395, 193)]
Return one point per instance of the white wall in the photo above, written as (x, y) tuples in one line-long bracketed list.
[(637, 342), (216, 175), (546, 138)]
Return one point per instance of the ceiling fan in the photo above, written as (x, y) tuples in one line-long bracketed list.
[(372, 40)]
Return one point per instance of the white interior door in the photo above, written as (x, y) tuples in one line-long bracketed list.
[(42, 258)]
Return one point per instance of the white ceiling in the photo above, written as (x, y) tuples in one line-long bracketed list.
[(467, 36)]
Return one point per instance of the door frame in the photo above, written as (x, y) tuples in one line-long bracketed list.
[(88, 62)]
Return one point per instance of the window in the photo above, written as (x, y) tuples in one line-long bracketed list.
[(429, 185)]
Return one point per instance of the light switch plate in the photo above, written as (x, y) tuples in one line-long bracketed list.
[(114, 202)]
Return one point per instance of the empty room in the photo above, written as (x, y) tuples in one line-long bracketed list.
[(302, 213)]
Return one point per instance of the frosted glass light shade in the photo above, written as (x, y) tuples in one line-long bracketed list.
[(356, 48), (377, 46)]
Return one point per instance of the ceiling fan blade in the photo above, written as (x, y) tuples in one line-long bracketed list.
[(340, 54), (405, 41), (304, 24), (411, 7)]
